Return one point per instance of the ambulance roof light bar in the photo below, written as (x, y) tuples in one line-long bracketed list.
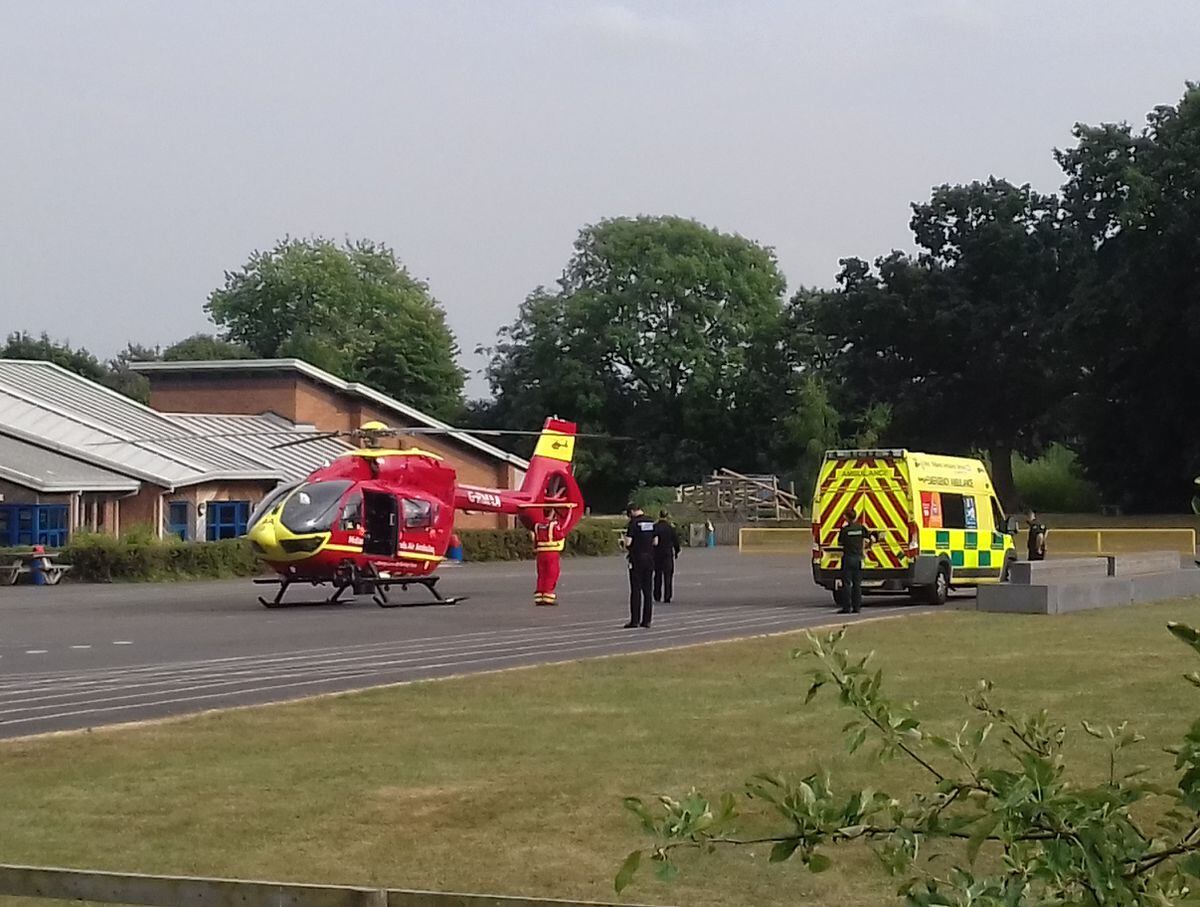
[(864, 454)]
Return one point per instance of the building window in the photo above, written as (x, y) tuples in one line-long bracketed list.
[(177, 520), (33, 524), (226, 519)]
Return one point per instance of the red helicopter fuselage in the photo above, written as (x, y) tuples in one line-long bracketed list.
[(380, 514)]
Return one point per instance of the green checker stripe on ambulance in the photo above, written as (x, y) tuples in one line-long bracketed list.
[(997, 541), (972, 540), (985, 558), (956, 558), (943, 539)]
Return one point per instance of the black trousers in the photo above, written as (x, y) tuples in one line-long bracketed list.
[(641, 576), (852, 577), (664, 580)]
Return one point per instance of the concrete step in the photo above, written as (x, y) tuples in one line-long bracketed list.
[(1081, 595), (1145, 562), (1067, 569)]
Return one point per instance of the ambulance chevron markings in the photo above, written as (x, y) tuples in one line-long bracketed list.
[(878, 498)]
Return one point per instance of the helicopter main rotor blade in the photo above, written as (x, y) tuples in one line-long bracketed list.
[(307, 440), (199, 436), (501, 432)]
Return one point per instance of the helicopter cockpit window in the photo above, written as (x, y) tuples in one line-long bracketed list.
[(267, 504), (312, 507), (417, 514)]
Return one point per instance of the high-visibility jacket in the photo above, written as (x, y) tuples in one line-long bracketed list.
[(548, 536)]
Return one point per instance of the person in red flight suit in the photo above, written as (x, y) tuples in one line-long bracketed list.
[(548, 545)]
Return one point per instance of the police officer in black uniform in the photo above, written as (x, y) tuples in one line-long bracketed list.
[(666, 549), (639, 541), (1036, 546)]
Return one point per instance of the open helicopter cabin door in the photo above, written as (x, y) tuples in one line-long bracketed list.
[(382, 523)]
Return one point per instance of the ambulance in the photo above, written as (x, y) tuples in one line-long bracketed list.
[(938, 522)]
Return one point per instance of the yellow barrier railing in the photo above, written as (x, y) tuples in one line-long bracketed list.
[(1119, 541), (1058, 541), (774, 541)]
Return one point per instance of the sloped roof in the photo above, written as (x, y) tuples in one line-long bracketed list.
[(254, 437), (47, 472), (353, 388), (48, 407)]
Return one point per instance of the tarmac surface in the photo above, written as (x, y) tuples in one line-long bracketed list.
[(79, 656)]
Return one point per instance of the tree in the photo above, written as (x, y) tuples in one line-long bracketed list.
[(21, 345), (352, 310), (960, 346), (1135, 313), (113, 374), (1049, 837), (204, 348), (662, 329)]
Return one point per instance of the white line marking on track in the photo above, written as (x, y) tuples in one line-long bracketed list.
[(367, 666), (35, 651), (122, 642), (80, 647)]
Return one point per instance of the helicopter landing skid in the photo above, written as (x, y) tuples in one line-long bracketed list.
[(382, 586), (278, 602)]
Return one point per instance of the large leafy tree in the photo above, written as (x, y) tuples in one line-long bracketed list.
[(961, 344), (351, 309), (664, 330), (1134, 198)]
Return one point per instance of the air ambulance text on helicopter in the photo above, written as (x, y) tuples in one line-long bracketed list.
[(376, 518)]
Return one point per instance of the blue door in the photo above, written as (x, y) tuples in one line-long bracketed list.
[(177, 519), (226, 519), (23, 525)]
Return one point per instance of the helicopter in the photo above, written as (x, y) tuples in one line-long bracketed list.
[(377, 518)]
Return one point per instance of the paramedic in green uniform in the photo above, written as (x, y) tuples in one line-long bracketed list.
[(853, 540)]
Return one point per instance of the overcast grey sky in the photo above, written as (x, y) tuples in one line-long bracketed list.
[(145, 147)]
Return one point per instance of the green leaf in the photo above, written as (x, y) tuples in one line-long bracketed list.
[(783, 850), (666, 871), (985, 827), (818, 862), (626, 872)]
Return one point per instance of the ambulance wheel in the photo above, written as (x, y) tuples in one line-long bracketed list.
[(939, 592)]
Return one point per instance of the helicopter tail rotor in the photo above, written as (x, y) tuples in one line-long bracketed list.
[(550, 480)]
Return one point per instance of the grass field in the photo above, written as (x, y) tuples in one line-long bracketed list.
[(512, 783)]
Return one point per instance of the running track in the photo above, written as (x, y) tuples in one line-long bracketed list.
[(84, 656)]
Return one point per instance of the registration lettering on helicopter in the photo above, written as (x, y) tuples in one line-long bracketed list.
[(483, 498)]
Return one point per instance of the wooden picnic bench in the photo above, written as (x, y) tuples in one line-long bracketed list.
[(23, 565)]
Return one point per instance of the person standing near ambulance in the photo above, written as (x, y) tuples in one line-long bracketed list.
[(854, 539), (1036, 547), (639, 542), (548, 545)]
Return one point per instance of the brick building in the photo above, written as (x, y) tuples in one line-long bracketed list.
[(302, 393)]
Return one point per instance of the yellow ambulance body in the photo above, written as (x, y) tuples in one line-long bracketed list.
[(938, 521)]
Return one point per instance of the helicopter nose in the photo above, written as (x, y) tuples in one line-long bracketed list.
[(263, 540)]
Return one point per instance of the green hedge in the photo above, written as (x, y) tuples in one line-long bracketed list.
[(135, 558), (587, 539), (103, 559)]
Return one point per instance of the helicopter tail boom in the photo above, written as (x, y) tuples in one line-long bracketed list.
[(549, 483)]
